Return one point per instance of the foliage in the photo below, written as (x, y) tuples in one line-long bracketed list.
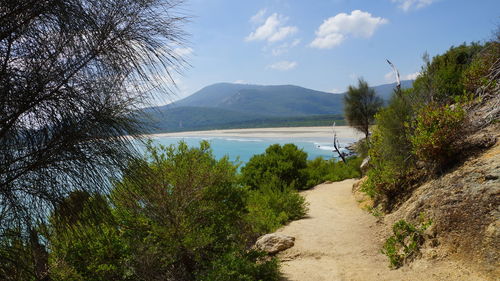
[(286, 163), (476, 75), (16, 256), (320, 170), (73, 74), (237, 266), (182, 210), (360, 106), (442, 78), (178, 214), (85, 242), (391, 158), (436, 130), (405, 242), (271, 206)]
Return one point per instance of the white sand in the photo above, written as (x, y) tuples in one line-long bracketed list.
[(284, 132)]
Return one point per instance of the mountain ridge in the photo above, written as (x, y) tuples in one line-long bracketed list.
[(226, 105)]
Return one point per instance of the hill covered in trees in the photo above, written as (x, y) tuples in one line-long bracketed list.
[(226, 105)]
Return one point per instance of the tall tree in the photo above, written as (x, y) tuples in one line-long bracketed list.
[(360, 105), (72, 74)]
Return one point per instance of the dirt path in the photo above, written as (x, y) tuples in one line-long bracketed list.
[(339, 241)]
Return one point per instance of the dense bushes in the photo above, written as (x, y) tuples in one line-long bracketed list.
[(436, 130), (391, 160), (286, 163), (417, 135), (273, 205), (442, 78), (272, 179), (177, 215), (320, 170), (274, 176)]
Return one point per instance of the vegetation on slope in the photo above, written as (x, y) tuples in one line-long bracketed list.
[(177, 214), (226, 106), (425, 132)]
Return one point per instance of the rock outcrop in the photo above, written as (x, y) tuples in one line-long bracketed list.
[(274, 242)]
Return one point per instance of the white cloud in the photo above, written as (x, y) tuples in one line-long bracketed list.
[(272, 30), (283, 65), (183, 51), (407, 5), (283, 48), (333, 31), (412, 76), (240, 82), (259, 17)]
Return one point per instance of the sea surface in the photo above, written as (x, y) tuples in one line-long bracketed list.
[(241, 149)]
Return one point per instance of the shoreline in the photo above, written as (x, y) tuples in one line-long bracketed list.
[(343, 132)]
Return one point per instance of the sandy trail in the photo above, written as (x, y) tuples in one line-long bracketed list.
[(339, 241)]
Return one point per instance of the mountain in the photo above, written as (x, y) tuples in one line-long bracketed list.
[(284, 100), (226, 105)]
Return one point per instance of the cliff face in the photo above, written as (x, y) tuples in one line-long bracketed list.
[(464, 203)]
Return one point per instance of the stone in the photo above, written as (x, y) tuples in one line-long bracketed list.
[(274, 242)]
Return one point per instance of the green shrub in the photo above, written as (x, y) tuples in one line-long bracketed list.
[(441, 79), (237, 266), (476, 75), (391, 158), (181, 209), (405, 242), (85, 242), (287, 163), (436, 130), (320, 170), (271, 206)]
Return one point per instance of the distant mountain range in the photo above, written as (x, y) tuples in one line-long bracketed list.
[(226, 105)]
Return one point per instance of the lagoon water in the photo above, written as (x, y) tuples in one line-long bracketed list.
[(241, 149)]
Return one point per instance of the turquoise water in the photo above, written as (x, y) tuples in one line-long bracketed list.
[(242, 149)]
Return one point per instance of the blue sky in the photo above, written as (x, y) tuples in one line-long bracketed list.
[(323, 44)]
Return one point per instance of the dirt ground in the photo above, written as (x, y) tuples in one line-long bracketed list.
[(339, 241)]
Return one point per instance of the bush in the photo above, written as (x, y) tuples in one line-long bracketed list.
[(181, 210), (271, 206), (405, 242), (320, 170), (286, 163), (237, 266), (84, 240), (436, 130), (391, 158), (177, 214), (441, 79), (476, 75)]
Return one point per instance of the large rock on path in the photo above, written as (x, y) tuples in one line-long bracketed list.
[(274, 242)]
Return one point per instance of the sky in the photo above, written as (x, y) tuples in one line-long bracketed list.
[(324, 45)]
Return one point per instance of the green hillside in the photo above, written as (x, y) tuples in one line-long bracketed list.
[(225, 106)]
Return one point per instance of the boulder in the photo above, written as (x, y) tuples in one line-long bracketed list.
[(274, 242)]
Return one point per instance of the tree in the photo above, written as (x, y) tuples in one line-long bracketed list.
[(72, 74), (285, 163), (360, 106)]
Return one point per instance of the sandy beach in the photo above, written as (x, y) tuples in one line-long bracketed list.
[(343, 132)]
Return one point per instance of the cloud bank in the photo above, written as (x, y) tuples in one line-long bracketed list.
[(272, 30), (333, 31)]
